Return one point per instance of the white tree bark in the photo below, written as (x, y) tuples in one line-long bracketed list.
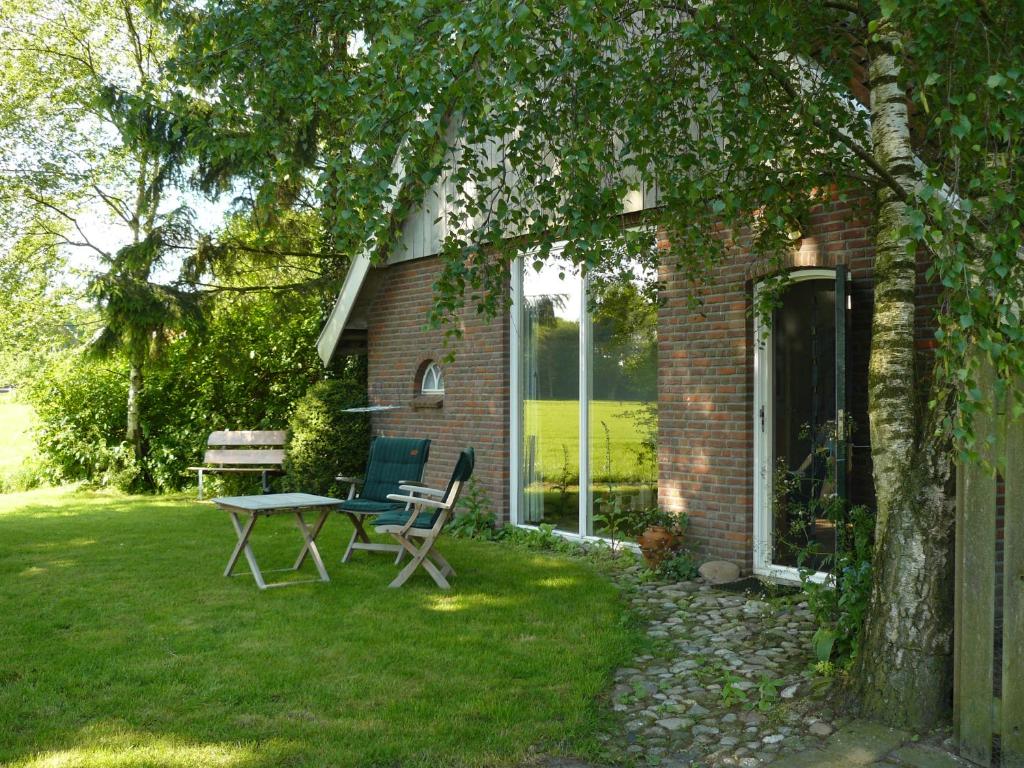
[(904, 668)]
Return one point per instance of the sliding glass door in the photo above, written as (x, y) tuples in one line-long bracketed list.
[(623, 403), (550, 321), (584, 396)]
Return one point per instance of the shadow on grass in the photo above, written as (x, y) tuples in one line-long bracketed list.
[(120, 618)]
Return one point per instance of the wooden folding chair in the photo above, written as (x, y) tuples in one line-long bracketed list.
[(429, 511)]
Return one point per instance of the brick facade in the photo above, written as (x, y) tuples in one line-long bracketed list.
[(474, 410), (705, 379)]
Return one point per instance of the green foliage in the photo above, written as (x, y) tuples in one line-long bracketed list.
[(840, 603), (679, 567), (253, 363), (542, 538), (655, 516), (39, 316), (79, 406), (731, 692), (767, 692), (476, 519), (324, 442)]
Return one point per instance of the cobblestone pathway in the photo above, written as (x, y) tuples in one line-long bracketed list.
[(727, 686), (710, 693)]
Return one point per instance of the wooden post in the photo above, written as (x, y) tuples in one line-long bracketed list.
[(1012, 706), (976, 572)]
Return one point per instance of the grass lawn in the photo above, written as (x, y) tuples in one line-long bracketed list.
[(15, 441), (556, 423), (123, 645)]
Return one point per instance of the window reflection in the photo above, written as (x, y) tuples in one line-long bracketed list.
[(552, 304)]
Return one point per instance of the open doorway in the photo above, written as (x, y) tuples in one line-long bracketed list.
[(799, 424)]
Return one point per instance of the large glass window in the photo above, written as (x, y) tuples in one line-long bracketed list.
[(551, 306), (586, 395), (623, 395)]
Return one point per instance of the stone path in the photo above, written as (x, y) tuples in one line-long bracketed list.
[(726, 685)]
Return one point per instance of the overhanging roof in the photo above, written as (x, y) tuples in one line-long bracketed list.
[(330, 336)]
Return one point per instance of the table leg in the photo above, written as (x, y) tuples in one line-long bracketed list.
[(358, 534), (315, 532), (310, 545), (243, 546)]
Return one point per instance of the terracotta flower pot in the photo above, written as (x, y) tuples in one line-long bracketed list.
[(656, 544)]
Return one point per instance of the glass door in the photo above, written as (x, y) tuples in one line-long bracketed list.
[(583, 396), (799, 399), (551, 314), (623, 397)]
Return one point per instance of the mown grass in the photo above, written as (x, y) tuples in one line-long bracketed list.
[(556, 422), (123, 645), (15, 439)]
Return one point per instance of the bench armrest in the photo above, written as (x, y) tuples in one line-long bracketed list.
[(348, 479)]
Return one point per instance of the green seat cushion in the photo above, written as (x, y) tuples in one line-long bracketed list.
[(370, 507), (392, 461), (423, 519)]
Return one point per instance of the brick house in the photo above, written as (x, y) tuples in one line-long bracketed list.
[(577, 411)]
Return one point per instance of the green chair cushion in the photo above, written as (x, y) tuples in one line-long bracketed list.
[(369, 506), (423, 519), (392, 461)]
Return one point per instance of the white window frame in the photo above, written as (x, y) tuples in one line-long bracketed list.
[(585, 525), (764, 439), (435, 376)]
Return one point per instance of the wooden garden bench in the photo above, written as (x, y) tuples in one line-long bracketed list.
[(247, 451)]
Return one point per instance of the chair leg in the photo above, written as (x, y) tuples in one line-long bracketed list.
[(441, 563), (419, 557), (358, 534)]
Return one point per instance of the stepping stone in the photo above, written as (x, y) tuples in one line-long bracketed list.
[(719, 571), (855, 746)]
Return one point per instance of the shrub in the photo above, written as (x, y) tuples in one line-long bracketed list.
[(680, 567), (475, 520), (79, 407), (840, 604), (323, 441)]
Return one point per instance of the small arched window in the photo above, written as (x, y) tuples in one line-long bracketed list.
[(432, 382)]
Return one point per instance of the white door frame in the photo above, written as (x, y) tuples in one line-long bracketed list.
[(515, 391), (764, 440)]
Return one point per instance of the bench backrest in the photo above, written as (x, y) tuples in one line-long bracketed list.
[(249, 448)]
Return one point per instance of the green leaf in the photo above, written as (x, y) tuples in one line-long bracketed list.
[(822, 642)]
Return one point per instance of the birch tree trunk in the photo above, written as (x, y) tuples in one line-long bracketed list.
[(904, 669), (134, 420)]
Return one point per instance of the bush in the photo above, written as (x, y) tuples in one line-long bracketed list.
[(680, 567), (324, 442), (840, 604), (79, 407), (476, 520)]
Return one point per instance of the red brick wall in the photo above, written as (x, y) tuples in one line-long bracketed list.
[(706, 382), (705, 379), (475, 406)]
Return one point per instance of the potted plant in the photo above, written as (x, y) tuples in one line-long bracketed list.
[(659, 534)]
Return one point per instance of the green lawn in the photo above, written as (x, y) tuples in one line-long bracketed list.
[(15, 440), (123, 645), (556, 423)]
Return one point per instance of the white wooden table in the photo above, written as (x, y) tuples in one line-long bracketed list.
[(255, 507)]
